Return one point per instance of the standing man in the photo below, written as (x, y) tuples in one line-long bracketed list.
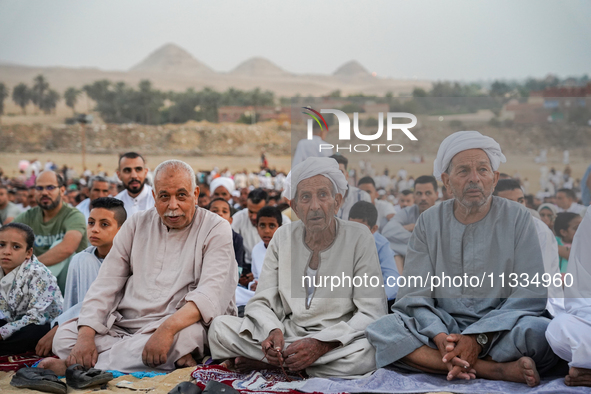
[(60, 230), (132, 172), (99, 187)]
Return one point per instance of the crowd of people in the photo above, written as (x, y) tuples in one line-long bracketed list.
[(157, 269)]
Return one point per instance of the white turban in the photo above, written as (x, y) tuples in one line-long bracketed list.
[(464, 140), (226, 182), (313, 166)]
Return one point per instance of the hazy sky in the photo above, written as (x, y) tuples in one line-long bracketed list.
[(450, 39)]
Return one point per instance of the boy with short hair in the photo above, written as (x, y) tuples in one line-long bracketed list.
[(107, 215), (269, 219), (366, 213)]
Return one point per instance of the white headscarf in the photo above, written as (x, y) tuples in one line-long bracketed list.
[(313, 166), (464, 140), (226, 182)]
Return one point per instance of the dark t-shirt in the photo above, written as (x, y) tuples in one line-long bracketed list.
[(68, 218)]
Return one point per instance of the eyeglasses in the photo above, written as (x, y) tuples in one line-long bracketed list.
[(49, 188)]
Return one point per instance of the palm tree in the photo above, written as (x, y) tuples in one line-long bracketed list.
[(21, 95), (49, 101), (71, 96), (40, 87)]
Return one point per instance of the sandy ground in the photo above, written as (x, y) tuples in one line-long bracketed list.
[(524, 165)]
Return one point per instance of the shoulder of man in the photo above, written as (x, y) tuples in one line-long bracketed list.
[(28, 217)]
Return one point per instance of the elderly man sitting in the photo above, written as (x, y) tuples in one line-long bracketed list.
[(295, 320), (171, 270), (465, 329)]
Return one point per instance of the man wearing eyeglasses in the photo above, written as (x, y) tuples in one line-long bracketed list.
[(132, 172), (60, 230)]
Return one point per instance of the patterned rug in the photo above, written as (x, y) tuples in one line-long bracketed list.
[(250, 383), (18, 361)]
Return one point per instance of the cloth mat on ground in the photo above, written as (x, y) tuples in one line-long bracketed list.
[(18, 361), (248, 383), (391, 380)]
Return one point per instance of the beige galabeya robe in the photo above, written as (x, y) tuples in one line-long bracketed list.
[(338, 314), (148, 275)]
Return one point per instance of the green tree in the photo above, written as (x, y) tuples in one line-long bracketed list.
[(21, 95), (499, 89), (3, 95), (418, 92), (71, 97), (49, 101), (40, 88)]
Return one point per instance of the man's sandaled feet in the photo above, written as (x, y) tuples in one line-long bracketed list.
[(38, 379), (186, 388), (79, 377)]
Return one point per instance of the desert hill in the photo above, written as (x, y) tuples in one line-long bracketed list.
[(171, 58), (351, 69), (259, 67)]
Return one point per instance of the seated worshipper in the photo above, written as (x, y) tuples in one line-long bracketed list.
[(171, 270), (137, 196), (385, 209), (548, 214), (203, 199), (107, 215), (405, 199), (511, 190), (268, 221), (29, 295), (565, 227), (60, 230), (245, 221), (367, 214), (399, 229), (293, 321), (99, 187), (566, 199), (8, 210), (468, 330), (568, 333), (222, 207), (223, 187), (353, 194)]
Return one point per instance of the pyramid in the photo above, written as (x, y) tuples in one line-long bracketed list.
[(171, 58), (257, 67), (351, 69)]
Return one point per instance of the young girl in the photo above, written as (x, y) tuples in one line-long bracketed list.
[(29, 296)]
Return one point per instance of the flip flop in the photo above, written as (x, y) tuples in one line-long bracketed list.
[(186, 388), (79, 377), (38, 379)]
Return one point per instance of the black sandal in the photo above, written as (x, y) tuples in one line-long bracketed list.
[(79, 377), (186, 388), (38, 379)]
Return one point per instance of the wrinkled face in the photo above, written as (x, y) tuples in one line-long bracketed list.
[(425, 196), (569, 234), (563, 201), (406, 201), (47, 193), (513, 195), (174, 198), (13, 249), (547, 217), (132, 173), (3, 197), (266, 228), (222, 192), (371, 190), (99, 189), (253, 209), (102, 227), (315, 203), (471, 179), (222, 209)]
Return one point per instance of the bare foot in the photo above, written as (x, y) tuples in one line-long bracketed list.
[(54, 364), (521, 371), (186, 361), (578, 377), (243, 364)]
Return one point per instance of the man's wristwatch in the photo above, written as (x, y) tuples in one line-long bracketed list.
[(482, 340)]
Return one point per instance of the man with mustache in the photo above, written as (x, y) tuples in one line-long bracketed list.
[(470, 329), (171, 270), (293, 321), (60, 230), (132, 172)]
